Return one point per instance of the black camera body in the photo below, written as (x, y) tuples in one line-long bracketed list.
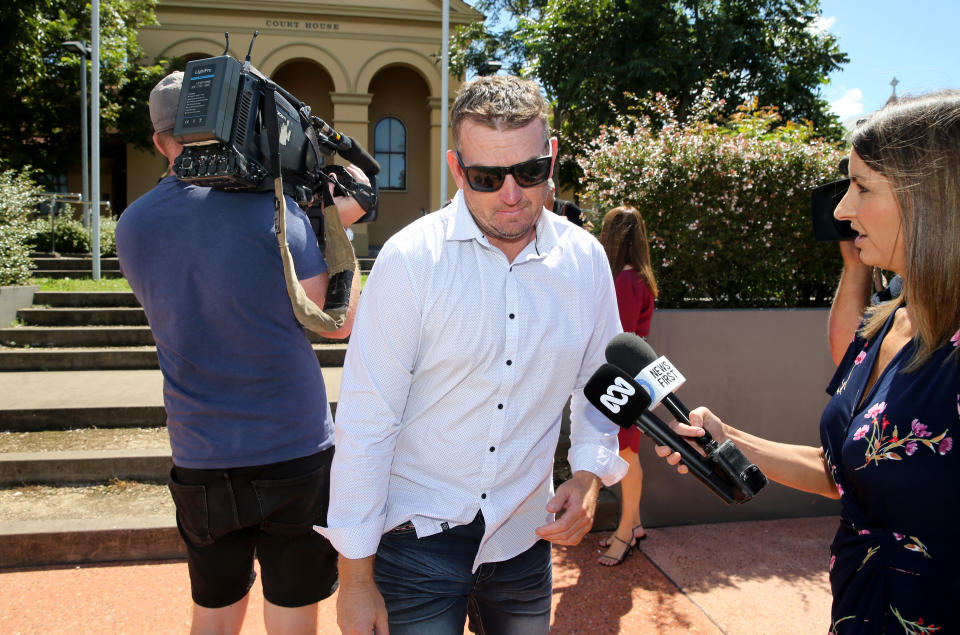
[(223, 124), (823, 201)]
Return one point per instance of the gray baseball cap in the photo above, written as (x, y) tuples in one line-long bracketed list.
[(164, 99)]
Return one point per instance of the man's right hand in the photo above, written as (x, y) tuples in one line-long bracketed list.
[(360, 607)]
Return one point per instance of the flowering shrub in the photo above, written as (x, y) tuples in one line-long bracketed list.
[(727, 205), (19, 197)]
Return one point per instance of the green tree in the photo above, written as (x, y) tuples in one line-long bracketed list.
[(590, 54), (40, 79)]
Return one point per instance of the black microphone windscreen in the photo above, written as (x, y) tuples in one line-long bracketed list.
[(355, 154), (614, 393), (630, 352)]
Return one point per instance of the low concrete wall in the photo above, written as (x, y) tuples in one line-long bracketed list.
[(763, 371), (12, 299)]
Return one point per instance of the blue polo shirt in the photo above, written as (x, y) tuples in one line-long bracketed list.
[(242, 385)]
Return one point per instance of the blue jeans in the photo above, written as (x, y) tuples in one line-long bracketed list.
[(429, 589)]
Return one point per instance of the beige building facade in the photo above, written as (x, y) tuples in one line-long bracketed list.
[(369, 68)]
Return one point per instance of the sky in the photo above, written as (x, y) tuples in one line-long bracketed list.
[(916, 41)]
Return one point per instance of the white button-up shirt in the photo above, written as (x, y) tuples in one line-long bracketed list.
[(457, 372)]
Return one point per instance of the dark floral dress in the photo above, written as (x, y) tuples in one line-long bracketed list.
[(895, 565)]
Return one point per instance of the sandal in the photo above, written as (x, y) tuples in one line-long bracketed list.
[(605, 542), (612, 561)]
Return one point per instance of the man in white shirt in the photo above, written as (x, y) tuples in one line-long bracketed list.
[(475, 326)]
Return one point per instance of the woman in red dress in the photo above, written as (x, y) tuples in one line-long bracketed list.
[(624, 237)]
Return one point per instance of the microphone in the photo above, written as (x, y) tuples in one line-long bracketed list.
[(625, 402), (659, 378), (656, 374)]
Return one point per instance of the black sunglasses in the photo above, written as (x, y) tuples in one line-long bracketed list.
[(484, 178)]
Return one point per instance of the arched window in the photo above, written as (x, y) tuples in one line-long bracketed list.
[(390, 151)]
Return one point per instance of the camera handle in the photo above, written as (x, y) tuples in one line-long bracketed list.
[(341, 260)]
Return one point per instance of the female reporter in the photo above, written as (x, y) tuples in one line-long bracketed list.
[(624, 237), (889, 429)]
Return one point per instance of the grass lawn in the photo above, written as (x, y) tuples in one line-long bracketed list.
[(81, 284)]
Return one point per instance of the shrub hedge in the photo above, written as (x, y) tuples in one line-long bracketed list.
[(727, 204), (19, 197), (71, 237)]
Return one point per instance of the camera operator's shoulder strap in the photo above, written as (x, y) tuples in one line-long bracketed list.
[(339, 251)]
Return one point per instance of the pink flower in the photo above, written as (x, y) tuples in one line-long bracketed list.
[(875, 410), (911, 448), (920, 429), (898, 536), (946, 445), (862, 356), (955, 339), (863, 532), (839, 489), (861, 432)]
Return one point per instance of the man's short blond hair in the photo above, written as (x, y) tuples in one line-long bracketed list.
[(499, 102)]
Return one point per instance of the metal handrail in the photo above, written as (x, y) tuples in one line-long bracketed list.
[(63, 198)]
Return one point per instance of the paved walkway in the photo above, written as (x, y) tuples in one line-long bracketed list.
[(737, 578)]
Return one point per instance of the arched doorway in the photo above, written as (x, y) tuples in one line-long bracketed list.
[(310, 83), (399, 112)]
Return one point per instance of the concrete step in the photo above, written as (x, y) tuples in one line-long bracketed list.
[(47, 359), (82, 316), (75, 263), (77, 274), (87, 299), (83, 523), (90, 336), (76, 336), (132, 538), (116, 358), (82, 439), (85, 466), (38, 419)]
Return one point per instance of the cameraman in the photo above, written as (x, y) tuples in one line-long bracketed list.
[(250, 426)]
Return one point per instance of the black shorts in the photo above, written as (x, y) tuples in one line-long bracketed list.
[(225, 516)]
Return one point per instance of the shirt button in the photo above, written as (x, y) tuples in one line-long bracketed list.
[(509, 362), (492, 448), (512, 316), (499, 406), (483, 495)]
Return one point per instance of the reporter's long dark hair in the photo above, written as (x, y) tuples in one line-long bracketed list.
[(623, 235), (915, 144)]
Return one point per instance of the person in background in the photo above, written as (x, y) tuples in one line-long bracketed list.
[(623, 235), (567, 209), (888, 431)]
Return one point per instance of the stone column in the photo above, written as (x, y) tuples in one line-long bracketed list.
[(351, 116), (438, 160)]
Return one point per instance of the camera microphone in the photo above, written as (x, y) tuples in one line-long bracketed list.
[(348, 148)]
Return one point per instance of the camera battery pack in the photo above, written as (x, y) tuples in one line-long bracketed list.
[(205, 112)]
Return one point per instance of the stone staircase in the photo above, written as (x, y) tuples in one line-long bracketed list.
[(51, 265), (84, 454)]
